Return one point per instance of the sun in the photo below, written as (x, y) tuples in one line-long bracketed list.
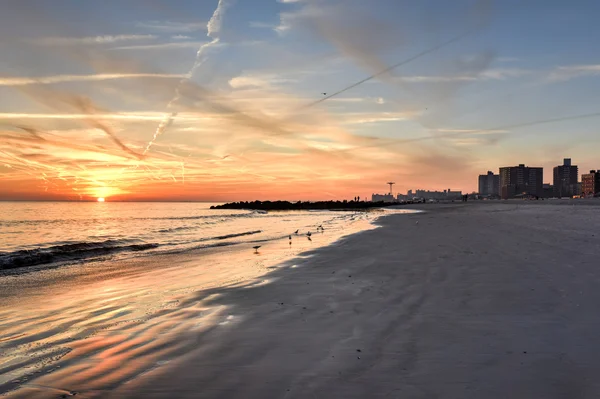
[(100, 199)]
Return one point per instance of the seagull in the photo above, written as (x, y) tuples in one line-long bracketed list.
[(309, 239), (324, 94), (309, 234), (296, 232), (290, 237), (256, 248)]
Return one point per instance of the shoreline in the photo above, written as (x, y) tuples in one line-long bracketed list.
[(199, 229)]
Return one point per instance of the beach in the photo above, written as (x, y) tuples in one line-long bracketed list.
[(487, 299)]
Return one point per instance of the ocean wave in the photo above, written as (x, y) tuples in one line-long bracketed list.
[(68, 252), (175, 229), (7, 223), (246, 233)]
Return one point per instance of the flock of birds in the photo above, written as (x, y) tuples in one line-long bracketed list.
[(308, 235)]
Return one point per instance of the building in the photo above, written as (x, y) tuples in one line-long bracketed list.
[(548, 191), (489, 185), (438, 195), (520, 181), (402, 197), (453, 194), (382, 197), (590, 184), (565, 179)]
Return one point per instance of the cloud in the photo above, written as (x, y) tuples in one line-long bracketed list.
[(105, 39), (490, 74), (180, 37), (434, 79), (289, 1), (505, 73), (23, 81), (214, 24), (132, 116), (171, 26), (564, 73), (472, 131), (168, 45), (257, 81), (359, 118)]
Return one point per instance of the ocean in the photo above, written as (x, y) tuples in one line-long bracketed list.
[(50, 233)]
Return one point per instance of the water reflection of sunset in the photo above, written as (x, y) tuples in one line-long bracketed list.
[(127, 318)]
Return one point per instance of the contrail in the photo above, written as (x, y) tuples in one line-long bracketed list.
[(86, 106), (390, 68), (213, 27)]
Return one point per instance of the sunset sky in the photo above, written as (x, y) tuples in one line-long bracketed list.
[(219, 100)]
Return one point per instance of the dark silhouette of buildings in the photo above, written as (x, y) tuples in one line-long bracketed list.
[(489, 185), (590, 184), (565, 179), (548, 190), (518, 181)]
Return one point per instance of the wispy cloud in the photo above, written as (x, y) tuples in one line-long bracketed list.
[(257, 81), (505, 73), (180, 37), (359, 118), (23, 81), (104, 39), (490, 74), (434, 79), (135, 116), (471, 131), (574, 71), (171, 26), (168, 45)]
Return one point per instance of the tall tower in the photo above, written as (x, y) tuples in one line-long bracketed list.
[(391, 183)]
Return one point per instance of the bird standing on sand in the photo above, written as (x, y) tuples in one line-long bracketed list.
[(309, 239), (309, 234), (290, 237), (256, 248), (296, 232)]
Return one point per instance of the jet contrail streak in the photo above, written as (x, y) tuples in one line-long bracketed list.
[(392, 67), (213, 27)]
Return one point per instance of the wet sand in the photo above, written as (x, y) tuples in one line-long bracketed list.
[(476, 300), (92, 326)]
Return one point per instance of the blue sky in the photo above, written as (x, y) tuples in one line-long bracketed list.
[(107, 75)]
